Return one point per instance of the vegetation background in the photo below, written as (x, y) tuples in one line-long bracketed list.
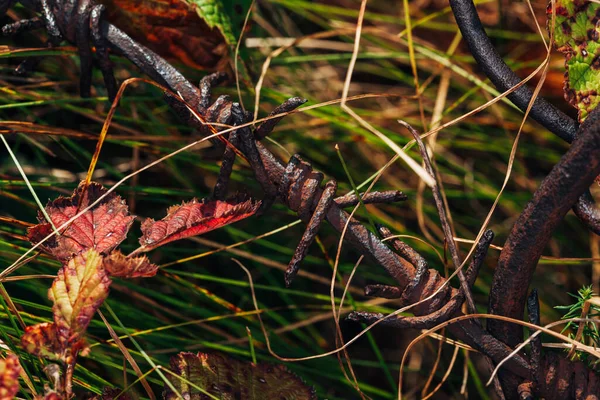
[(200, 299)]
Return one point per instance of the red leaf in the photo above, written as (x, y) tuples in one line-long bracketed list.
[(9, 377), (171, 28), (102, 228), (53, 396), (41, 340), (79, 289), (194, 218), (118, 265)]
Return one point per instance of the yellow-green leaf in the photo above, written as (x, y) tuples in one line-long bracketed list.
[(79, 289)]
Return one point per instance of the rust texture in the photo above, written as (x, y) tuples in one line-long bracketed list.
[(559, 191), (300, 187), (571, 177)]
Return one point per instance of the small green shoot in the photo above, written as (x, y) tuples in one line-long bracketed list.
[(587, 332)]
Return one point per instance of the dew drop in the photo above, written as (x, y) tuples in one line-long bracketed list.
[(584, 52)]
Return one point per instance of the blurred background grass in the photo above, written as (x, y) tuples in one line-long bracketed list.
[(194, 305)]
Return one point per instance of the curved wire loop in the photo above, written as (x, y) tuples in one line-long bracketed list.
[(504, 78), (297, 185)]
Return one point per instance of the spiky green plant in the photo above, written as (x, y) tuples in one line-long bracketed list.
[(590, 335)]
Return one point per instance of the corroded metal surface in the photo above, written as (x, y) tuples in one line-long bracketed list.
[(299, 187), (502, 76), (573, 174)]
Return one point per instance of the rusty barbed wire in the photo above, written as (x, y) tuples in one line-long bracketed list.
[(299, 187)]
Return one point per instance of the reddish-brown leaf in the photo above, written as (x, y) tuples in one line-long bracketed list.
[(109, 393), (173, 29), (52, 395), (117, 264), (41, 340), (230, 379), (9, 377), (79, 289), (101, 228), (194, 218)]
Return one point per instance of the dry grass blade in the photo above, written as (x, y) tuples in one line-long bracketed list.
[(401, 153), (546, 329), (127, 356), (446, 375), (584, 314)]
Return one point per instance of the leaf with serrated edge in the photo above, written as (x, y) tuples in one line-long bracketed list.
[(10, 368), (230, 379), (41, 340), (577, 35), (194, 218), (9, 377), (121, 266), (79, 289), (102, 228)]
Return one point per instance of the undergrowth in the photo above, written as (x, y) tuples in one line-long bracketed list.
[(200, 299)]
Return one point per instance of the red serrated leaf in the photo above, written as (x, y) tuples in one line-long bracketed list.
[(79, 289), (41, 340), (194, 218), (9, 377), (117, 264), (101, 228)]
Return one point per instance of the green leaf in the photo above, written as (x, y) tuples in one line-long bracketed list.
[(229, 379), (577, 34), (226, 15)]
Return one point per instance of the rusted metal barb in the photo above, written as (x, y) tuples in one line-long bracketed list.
[(446, 228), (299, 186)]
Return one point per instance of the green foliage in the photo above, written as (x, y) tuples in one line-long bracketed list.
[(226, 15), (86, 248), (200, 299), (590, 333), (576, 34)]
